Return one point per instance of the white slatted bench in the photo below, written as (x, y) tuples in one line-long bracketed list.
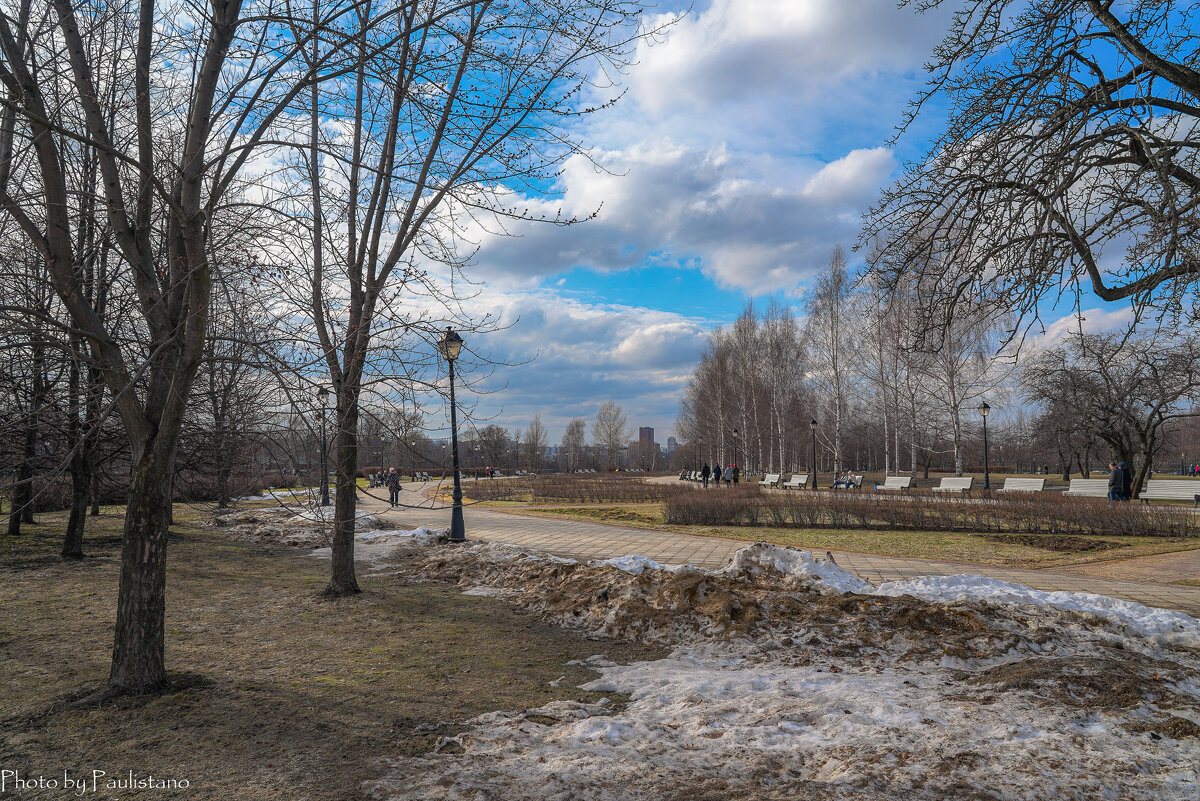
[(955, 484), (770, 479), (797, 481), (1023, 485), (1165, 489), (1088, 487), (894, 484), (858, 480)]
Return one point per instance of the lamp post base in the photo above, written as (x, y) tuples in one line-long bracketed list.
[(458, 531)]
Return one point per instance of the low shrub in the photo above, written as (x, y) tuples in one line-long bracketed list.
[(1041, 515), (575, 489)]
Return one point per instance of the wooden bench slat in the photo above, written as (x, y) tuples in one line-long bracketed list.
[(1165, 489), (898, 483), (1088, 487), (1023, 485), (797, 481)]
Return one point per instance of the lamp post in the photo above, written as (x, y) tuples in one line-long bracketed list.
[(983, 410), (323, 396), (450, 346), (736, 440), (383, 443), (412, 458), (812, 425)]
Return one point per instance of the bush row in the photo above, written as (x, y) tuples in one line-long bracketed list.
[(567, 489), (1032, 515)]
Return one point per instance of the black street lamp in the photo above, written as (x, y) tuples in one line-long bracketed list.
[(412, 454), (450, 346), (323, 396), (983, 410), (812, 425)]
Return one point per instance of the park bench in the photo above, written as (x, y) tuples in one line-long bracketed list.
[(896, 483), (858, 480), (1088, 487), (1165, 489), (797, 481), (770, 479), (1023, 485), (955, 484)]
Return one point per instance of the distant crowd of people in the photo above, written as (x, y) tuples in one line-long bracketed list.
[(716, 475)]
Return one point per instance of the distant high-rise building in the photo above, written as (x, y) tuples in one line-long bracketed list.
[(646, 435), (671, 445)]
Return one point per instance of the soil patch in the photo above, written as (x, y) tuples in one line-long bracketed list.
[(1059, 543), (1095, 683)]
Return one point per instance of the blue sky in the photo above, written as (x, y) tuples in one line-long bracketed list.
[(746, 147)]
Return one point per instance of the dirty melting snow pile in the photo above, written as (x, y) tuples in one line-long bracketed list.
[(791, 679)]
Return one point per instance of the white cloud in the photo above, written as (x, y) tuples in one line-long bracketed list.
[(739, 48), (748, 145), (586, 354), (745, 229), (1090, 321)]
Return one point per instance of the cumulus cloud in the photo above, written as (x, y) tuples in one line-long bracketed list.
[(737, 49), (586, 354), (749, 143), (745, 228), (1090, 321)]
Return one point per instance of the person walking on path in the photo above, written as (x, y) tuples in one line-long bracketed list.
[(728, 474), (705, 472), (735, 475), (393, 485), (1115, 479), (1126, 481)]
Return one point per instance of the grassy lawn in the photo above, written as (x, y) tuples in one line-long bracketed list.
[(987, 549), (279, 693)]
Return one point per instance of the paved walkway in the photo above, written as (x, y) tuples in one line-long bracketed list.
[(586, 540)]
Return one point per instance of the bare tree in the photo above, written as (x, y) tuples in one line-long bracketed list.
[(535, 444), (168, 141), (573, 442), (450, 110), (1131, 388), (830, 306), (961, 370), (610, 431), (1073, 137)]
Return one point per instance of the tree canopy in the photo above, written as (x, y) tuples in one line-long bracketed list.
[(1068, 162)]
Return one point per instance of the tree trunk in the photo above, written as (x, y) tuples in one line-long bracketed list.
[(80, 459), (342, 580), (137, 662), (956, 429), (22, 493), (81, 480), (95, 493)]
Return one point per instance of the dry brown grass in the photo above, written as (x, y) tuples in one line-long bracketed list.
[(279, 694)]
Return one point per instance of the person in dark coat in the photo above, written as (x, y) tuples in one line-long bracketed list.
[(393, 485), (705, 472), (735, 475), (1126, 482), (1115, 479)]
